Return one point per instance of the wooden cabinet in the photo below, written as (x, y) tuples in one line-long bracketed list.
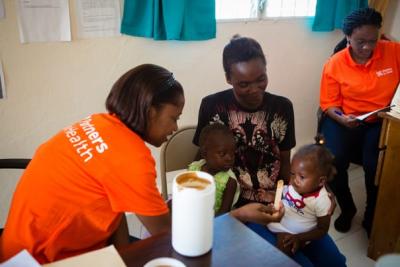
[(385, 234)]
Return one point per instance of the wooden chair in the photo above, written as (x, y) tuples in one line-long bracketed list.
[(14, 163), (176, 154)]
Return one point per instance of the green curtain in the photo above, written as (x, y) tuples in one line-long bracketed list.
[(170, 19), (329, 14)]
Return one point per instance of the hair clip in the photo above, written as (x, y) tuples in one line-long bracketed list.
[(319, 140), (170, 81)]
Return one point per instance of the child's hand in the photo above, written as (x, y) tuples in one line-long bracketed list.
[(265, 196), (292, 242)]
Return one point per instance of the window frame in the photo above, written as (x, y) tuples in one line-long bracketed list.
[(263, 17)]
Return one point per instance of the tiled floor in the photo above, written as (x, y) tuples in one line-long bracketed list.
[(354, 244)]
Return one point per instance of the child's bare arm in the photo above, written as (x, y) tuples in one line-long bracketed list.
[(298, 240), (227, 198), (332, 197), (321, 229)]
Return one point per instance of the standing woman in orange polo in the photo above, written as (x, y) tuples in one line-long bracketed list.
[(72, 197), (360, 78)]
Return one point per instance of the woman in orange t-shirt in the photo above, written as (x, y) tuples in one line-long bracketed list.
[(358, 79), (72, 197)]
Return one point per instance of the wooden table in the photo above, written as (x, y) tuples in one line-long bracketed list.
[(234, 245), (385, 234)]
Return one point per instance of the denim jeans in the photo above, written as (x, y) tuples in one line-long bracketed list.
[(319, 253), (345, 143)]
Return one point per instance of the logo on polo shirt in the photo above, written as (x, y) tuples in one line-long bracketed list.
[(85, 144), (384, 72)]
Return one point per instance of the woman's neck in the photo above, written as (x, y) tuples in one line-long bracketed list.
[(358, 60)]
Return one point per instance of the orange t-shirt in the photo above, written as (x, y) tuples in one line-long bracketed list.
[(359, 89), (71, 197)]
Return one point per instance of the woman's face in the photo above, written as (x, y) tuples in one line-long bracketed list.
[(249, 80), (362, 42), (163, 122)]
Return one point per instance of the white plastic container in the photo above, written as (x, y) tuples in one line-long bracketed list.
[(192, 214), (164, 262)]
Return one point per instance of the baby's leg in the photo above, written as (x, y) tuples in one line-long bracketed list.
[(280, 244)]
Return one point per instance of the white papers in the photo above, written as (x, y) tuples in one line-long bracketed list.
[(366, 115), (394, 107), (105, 257), (98, 18), (23, 258), (396, 100), (43, 21), (2, 83), (394, 114), (2, 13)]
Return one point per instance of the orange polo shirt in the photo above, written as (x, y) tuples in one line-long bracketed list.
[(71, 197), (359, 89)]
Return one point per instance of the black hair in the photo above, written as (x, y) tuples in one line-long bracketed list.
[(320, 155), (240, 49), (211, 130), (137, 90), (361, 17), (340, 46), (357, 19)]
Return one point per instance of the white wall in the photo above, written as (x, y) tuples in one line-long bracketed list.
[(392, 20), (51, 85)]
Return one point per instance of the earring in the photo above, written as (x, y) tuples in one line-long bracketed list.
[(348, 42)]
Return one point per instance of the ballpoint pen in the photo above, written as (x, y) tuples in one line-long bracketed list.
[(338, 112)]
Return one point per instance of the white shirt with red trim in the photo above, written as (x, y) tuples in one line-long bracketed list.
[(301, 212)]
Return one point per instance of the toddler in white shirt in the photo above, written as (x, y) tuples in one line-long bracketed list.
[(306, 200)]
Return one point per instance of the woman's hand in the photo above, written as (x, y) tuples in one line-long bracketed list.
[(258, 213), (349, 121)]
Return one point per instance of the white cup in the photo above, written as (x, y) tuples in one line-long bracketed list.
[(192, 213), (164, 262), (389, 260)]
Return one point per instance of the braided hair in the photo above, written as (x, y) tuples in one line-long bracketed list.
[(361, 17), (320, 155), (357, 19)]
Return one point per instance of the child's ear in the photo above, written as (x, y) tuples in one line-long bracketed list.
[(322, 180)]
